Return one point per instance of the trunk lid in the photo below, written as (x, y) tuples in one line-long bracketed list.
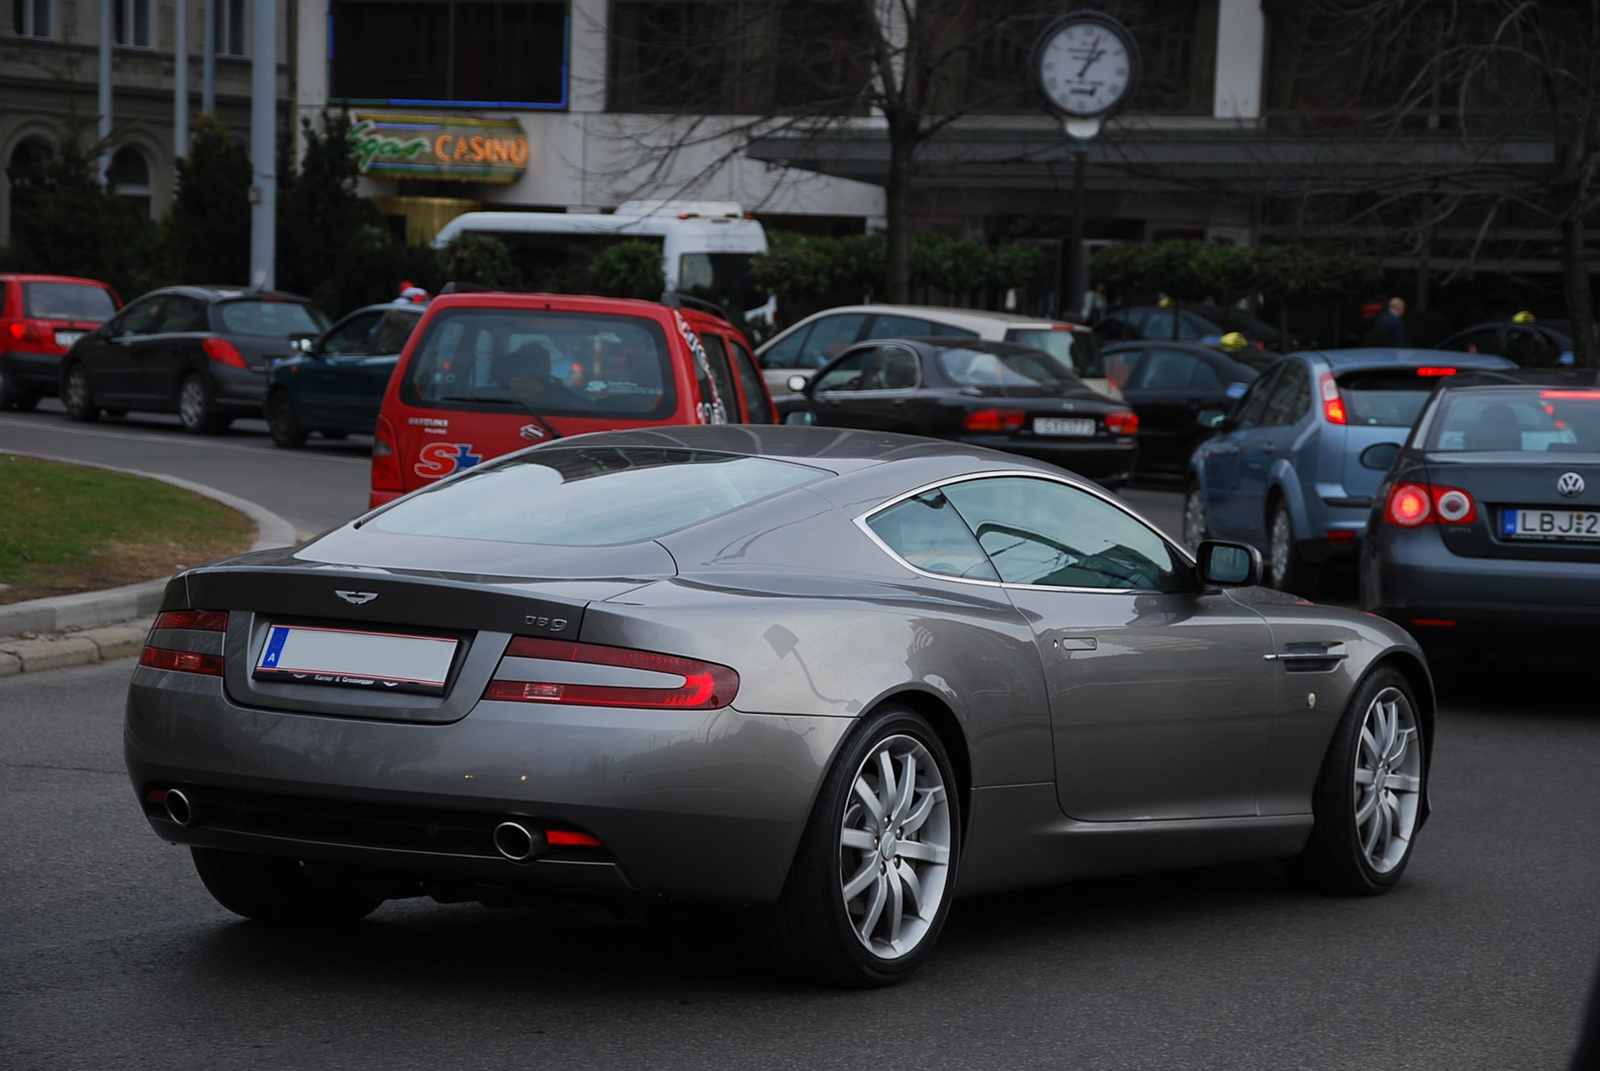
[(1499, 487)]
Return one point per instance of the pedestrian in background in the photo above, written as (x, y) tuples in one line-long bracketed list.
[(1095, 305), (1389, 327)]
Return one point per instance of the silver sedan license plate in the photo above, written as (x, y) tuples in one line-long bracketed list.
[(1550, 524), (1063, 426), (379, 661)]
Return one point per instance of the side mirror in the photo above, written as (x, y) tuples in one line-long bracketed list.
[(802, 417), (1215, 419), (797, 383), (1228, 565), (1380, 457)]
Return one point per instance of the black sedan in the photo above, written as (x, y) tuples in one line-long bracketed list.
[(995, 394), (1522, 340), (202, 352), (337, 385), (1486, 531), (1169, 384)]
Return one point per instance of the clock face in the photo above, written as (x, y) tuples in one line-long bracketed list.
[(1085, 66)]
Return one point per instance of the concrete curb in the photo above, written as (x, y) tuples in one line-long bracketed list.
[(22, 650)]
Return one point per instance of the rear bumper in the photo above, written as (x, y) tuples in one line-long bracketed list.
[(1411, 578), (38, 374), (697, 804), (1109, 462), (239, 392)]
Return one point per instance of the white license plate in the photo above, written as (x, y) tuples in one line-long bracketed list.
[(67, 338), (379, 661), (1062, 426), (1550, 524)]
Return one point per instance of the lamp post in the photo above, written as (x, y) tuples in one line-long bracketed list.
[(1085, 65)]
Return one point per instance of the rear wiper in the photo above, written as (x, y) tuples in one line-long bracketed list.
[(479, 398)]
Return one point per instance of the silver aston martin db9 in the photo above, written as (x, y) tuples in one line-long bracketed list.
[(840, 677)]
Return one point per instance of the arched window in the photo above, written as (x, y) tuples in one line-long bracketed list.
[(130, 177), (27, 170)]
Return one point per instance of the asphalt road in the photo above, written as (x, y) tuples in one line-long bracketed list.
[(112, 955)]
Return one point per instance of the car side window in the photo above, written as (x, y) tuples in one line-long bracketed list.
[(1290, 396), (722, 375), (829, 336), (183, 314), (1205, 377), (785, 353), (1122, 366), (352, 335), (1253, 406), (897, 327), (928, 533), (758, 410), (393, 332), (1528, 348), (1047, 534), (140, 318), (889, 368), (1485, 340), (1166, 370), (846, 374)]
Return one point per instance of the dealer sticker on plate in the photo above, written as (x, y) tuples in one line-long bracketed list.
[(1063, 426), (1550, 524)]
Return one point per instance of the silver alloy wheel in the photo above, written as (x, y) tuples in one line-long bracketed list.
[(1280, 544), (1194, 519), (192, 402), (894, 847), (1388, 780), (77, 399)]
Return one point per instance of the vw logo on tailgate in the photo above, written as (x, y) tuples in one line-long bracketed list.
[(1570, 484)]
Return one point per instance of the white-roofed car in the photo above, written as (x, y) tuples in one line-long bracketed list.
[(820, 337)]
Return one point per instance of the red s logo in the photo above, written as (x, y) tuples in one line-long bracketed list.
[(441, 459)]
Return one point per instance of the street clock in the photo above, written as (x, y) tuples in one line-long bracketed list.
[(1085, 64)]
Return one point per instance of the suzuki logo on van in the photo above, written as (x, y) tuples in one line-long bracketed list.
[(531, 432)]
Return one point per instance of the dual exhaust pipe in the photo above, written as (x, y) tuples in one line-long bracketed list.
[(513, 840)]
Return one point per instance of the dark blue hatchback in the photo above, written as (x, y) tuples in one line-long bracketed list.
[(1284, 472), (337, 385)]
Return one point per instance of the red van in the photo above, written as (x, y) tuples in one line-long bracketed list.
[(488, 373)]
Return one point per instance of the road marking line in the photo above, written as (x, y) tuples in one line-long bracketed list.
[(13, 422)]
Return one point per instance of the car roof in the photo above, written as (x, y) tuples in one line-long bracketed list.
[(30, 277), (505, 299), (1393, 357), (956, 317), (225, 292)]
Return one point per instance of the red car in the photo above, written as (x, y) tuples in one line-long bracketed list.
[(41, 316), (488, 373)]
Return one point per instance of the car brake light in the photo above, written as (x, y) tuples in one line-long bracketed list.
[(1341, 537), (1429, 370), (1411, 505), (223, 352), (186, 661), (704, 685), (385, 458), (994, 420), (1122, 422), (20, 330), (1586, 394), (1332, 403)]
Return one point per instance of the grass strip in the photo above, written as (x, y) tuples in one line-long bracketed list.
[(66, 529)]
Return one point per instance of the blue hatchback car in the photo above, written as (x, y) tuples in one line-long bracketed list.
[(336, 386), (1284, 471)]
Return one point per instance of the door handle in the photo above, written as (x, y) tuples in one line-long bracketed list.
[(1077, 643)]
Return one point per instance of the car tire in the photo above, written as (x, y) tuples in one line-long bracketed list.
[(197, 412), (1370, 795), (1195, 527), (871, 847), (268, 888), (78, 395), (286, 430), (1287, 568)]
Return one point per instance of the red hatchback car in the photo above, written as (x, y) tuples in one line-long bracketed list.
[(41, 316), (488, 373)]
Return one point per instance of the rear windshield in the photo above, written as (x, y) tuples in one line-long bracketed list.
[(1526, 420), (542, 361), (1390, 398), (271, 319), (588, 497), (1078, 349), (67, 301), (1005, 368)]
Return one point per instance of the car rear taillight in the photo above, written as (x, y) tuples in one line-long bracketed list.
[(1122, 422), (1411, 505), (185, 661), (631, 678), (31, 335), (385, 458), (1332, 403), (223, 352), (1431, 370), (995, 420), (1588, 394)]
